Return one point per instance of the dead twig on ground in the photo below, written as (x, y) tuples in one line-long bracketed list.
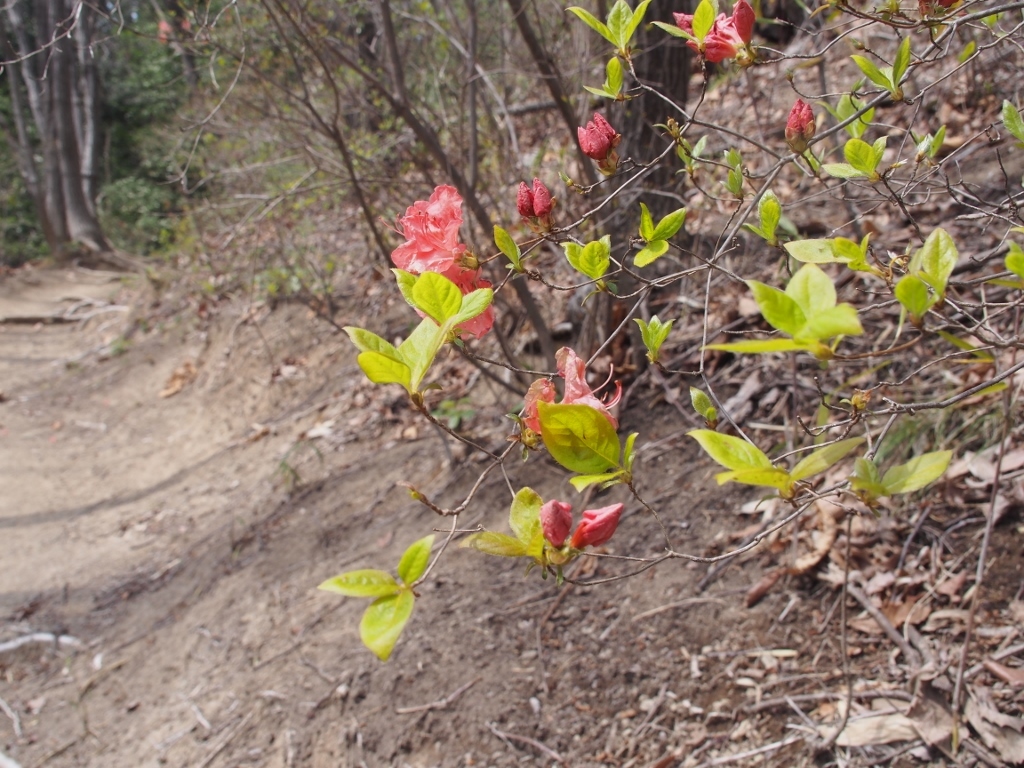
[(226, 739), (440, 703), (913, 657), (40, 637), (507, 737), (15, 720)]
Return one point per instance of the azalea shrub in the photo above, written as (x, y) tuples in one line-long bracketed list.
[(865, 314)]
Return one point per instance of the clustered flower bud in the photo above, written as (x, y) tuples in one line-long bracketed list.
[(596, 527), (535, 205), (729, 37), (800, 126), (598, 142)]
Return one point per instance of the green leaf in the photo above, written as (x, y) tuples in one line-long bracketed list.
[(1014, 260), (638, 17), (916, 473), (673, 30), (812, 290), (592, 259), (582, 482), (473, 303), (384, 621), (842, 171), (846, 108), (628, 452), (811, 251), (731, 452), (646, 223), (437, 297), (653, 251), (654, 335), (769, 212), (967, 52), (670, 225), (579, 437), (613, 76), (874, 74), (841, 320), (381, 369), (420, 349), (364, 583), (1012, 121), (772, 477), (902, 62), (508, 246), (760, 346), (619, 19), (588, 18), (861, 156), (865, 478), (778, 308), (912, 293), (823, 458), (371, 342), (415, 559), (406, 282), (491, 543), (524, 515), (703, 19), (878, 148), (935, 260)]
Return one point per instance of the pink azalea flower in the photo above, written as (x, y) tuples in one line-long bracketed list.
[(577, 391), (556, 522), (800, 126), (596, 527), (431, 230), (729, 37)]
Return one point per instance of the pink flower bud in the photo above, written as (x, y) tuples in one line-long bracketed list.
[(556, 522), (743, 19), (524, 201), (598, 139), (596, 527), (541, 199), (800, 126)]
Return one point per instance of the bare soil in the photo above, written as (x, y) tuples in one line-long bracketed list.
[(171, 547)]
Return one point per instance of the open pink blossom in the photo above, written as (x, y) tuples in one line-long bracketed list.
[(729, 37), (596, 527), (556, 522), (431, 229), (577, 391)]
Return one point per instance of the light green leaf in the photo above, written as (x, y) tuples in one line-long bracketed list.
[(473, 303), (613, 76), (420, 349), (406, 282), (769, 212), (702, 405), (812, 290), (865, 478), (761, 346), (1012, 120), (811, 251), (371, 342), (778, 308), (654, 335), (653, 251), (731, 452), (588, 18), (579, 437), (670, 225), (861, 156), (840, 320), (967, 52), (935, 260), (823, 458), (673, 30), (916, 473), (628, 452), (912, 293), (1014, 260), (415, 559), (646, 223), (524, 514), (902, 61), (381, 369), (491, 543), (774, 478), (508, 246), (842, 171), (878, 148), (437, 297), (619, 19), (364, 583), (384, 621), (703, 19), (582, 482), (592, 259), (638, 17), (874, 74)]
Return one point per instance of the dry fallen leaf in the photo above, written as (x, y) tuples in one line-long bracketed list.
[(952, 586), (1010, 675), (876, 729), (994, 728), (183, 375)]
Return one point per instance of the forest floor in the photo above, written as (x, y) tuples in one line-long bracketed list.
[(179, 475)]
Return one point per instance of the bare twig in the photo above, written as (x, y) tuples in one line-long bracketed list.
[(505, 736), (440, 703)]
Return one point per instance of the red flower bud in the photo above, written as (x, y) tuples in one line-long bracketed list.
[(524, 201), (598, 139), (541, 199), (597, 526), (800, 126), (743, 19), (556, 522)]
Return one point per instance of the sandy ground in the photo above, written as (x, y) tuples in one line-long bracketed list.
[(168, 548)]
